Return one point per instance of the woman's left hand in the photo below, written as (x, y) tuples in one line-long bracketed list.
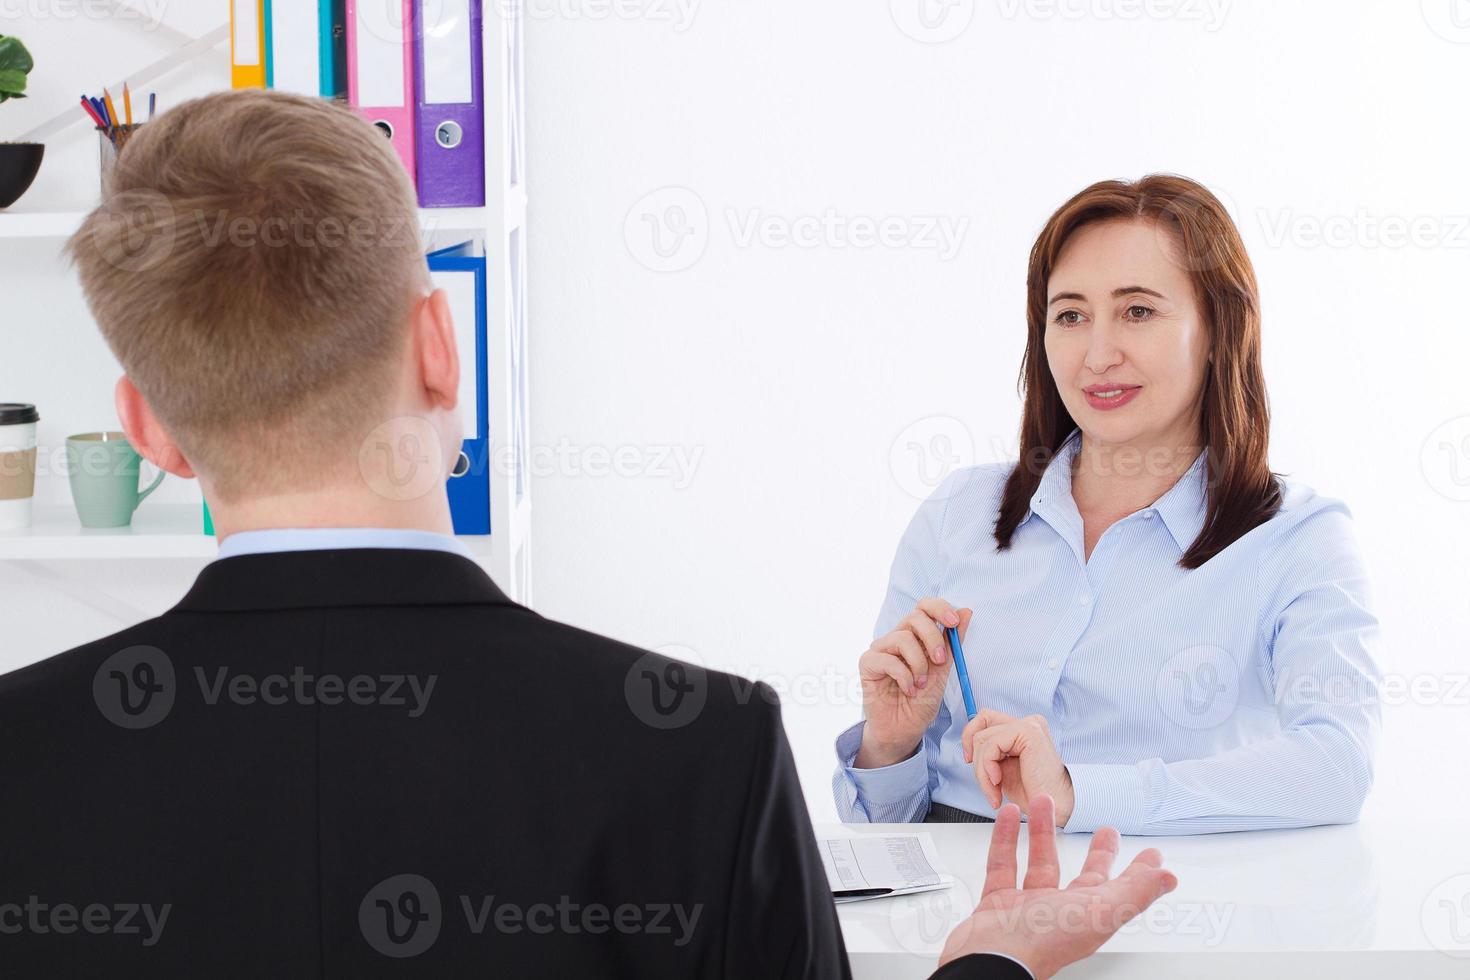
[(1015, 758)]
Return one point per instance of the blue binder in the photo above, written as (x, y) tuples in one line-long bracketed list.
[(462, 274)]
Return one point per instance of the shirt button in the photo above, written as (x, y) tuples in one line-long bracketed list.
[(1148, 515), (1083, 600), (1051, 664)]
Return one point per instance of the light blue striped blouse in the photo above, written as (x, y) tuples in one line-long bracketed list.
[(1238, 696)]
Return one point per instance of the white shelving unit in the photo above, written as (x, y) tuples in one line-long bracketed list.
[(173, 530), (64, 224)]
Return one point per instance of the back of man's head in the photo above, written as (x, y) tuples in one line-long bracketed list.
[(253, 268)]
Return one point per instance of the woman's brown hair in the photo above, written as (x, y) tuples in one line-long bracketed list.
[(1241, 491)]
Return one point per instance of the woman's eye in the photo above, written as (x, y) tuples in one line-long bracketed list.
[(1065, 318), (1140, 312)]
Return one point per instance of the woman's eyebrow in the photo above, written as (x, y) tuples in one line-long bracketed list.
[(1122, 291)]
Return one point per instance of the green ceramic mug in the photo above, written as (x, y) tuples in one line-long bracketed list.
[(104, 470)]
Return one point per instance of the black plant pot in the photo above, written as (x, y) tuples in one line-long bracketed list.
[(19, 164)]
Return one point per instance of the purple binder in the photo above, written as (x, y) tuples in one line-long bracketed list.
[(449, 61)]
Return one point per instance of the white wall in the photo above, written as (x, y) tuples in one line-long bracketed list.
[(786, 375)]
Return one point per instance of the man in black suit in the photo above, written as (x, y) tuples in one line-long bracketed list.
[(345, 752)]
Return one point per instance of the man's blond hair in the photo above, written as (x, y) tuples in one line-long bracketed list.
[(253, 267)]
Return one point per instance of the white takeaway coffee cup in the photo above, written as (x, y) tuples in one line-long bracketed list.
[(17, 464)]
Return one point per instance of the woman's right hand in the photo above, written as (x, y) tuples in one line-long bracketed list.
[(904, 675)]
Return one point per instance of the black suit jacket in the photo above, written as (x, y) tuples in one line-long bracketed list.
[(370, 762)]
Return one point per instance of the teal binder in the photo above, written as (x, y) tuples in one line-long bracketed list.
[(331, 44), (334, 49)]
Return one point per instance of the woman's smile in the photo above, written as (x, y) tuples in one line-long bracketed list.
[(1106, 397)]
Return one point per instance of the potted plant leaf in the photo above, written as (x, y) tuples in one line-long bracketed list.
[(19, 162)]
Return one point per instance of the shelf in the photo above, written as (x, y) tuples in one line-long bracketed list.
[(63, 224), (158, 531), (40, 224)]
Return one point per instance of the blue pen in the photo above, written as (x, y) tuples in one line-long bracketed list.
[(958, 653)]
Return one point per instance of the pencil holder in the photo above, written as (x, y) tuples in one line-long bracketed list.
[(112, 142)]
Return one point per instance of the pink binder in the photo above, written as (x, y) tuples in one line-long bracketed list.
[(380, 70)]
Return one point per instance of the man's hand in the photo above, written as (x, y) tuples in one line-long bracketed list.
[(1042, 926), (1015, 758)]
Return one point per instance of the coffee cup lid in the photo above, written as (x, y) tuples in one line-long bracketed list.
[(18, 413)]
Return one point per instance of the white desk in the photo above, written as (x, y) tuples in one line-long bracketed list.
[(1360, 901)]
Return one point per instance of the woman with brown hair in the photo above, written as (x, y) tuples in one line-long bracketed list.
[(1161, 634)]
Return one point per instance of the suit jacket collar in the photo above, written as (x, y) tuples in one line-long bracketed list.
[(344, 577)]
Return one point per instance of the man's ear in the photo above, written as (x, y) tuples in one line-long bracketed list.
[(438, 355), (146, 433)]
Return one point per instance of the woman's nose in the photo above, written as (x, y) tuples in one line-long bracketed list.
[(1103, 351)]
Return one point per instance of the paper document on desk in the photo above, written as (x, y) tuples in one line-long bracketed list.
[(859, 868)]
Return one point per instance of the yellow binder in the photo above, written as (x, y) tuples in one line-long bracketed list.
[(247, 43)]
